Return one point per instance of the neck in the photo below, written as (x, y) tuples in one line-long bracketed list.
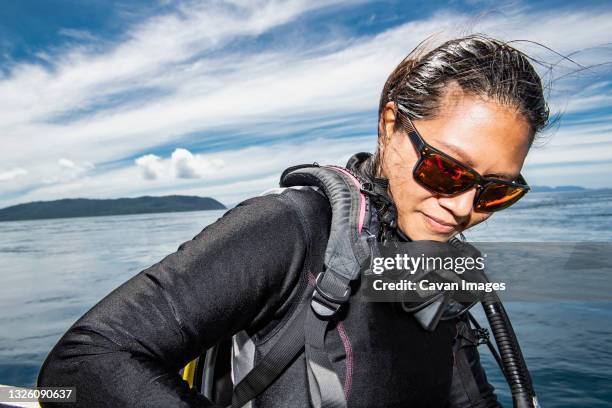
[(363, 165)]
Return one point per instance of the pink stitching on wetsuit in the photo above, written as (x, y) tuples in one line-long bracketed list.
[(312, 280), (348, 381)]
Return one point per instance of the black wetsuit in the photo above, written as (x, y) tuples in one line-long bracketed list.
[(246, 272)]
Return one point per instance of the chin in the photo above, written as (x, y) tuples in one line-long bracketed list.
[(433, 237), (418, 230), (424, 235)]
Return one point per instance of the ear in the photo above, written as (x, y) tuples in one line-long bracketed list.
[(386, 124)]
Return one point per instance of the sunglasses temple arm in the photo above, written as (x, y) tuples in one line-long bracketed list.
[(416, 140), (414, 136)]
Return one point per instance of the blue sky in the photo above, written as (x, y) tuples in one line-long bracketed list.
[(115, 99)]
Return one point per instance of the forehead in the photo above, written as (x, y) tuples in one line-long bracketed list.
[(490, 137)]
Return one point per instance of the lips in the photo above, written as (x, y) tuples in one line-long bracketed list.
[(439, 225)]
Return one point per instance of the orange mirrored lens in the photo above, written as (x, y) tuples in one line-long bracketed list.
[(442, 175), (496, 197)]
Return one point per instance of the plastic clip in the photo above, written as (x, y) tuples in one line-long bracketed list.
[(329, 297), (324, 303), (482, 336)]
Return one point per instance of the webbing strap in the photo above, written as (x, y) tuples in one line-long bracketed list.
[(325, 388), (306, 331), (271, 366), (462, 364), (467, 379)]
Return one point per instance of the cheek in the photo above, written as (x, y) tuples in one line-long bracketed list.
[(405, 191)]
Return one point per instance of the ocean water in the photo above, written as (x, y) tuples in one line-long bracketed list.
[(52, 271)]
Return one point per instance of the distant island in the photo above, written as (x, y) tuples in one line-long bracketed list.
[(548, 189), (82, 207)]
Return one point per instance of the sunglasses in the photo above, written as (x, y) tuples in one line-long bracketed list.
[(441, 174)]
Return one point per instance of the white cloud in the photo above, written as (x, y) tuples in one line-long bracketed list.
[(12, 174), (150, 165), (69, 170), (66, 164), (186, 165), (182, 164), (81, 35)]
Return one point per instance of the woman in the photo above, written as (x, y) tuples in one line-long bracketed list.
[(475, 99)]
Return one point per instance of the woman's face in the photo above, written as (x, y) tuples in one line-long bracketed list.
[(491, 138)]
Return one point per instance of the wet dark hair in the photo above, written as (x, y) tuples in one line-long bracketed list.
[(480, 65)]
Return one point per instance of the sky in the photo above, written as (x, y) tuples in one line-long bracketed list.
[(107, 99)]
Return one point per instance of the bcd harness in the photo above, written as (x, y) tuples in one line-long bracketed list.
[(361, 215)]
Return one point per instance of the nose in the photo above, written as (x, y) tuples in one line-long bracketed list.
[(460, 205)]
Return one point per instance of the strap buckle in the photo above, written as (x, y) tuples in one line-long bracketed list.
[(482, 335), (330, 294), (470, 336)]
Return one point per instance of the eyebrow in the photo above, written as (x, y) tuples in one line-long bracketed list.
[(463, 157)]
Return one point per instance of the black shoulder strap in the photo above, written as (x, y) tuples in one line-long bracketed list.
[(462, 370), (272, 365), (348, 247)]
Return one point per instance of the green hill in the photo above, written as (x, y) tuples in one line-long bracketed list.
[(82, 207)]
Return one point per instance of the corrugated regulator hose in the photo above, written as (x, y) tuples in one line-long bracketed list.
[(514, 366)]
